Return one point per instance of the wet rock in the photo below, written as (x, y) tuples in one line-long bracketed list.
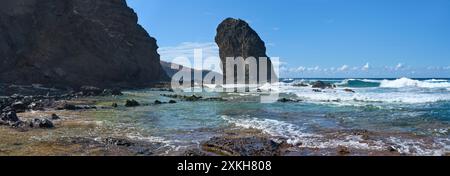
[(118, 142), (193, 98), (10, 116), (112, 92), (172, 102), (322, 85), (316, 90), (365, 135), (115, 105), (300, 85), (392, 149), (131, 103), (55, 117), (342, 150), (91, 91), (287, 100), (41, 123), (349, 90), (19, 106), (67, 106), (243, 146), (157, 102)]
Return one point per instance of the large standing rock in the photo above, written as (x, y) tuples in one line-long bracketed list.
[(236, 38), (75, 43)]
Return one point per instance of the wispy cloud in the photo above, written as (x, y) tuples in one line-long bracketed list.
[(365, 67), (399, 66), (343, 68)]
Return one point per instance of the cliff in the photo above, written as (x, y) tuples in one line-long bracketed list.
[(75, 43)]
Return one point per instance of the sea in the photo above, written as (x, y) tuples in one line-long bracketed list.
[(405, 115)]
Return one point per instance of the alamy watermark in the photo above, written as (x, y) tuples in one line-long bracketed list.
[(240, 75)]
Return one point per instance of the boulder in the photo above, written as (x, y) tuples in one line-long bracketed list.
[(19, 106), (55, 117), (41, 123), (131, 103), (322, 85), (10, 116)]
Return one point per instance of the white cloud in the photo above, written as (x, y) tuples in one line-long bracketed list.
[(366, 67), (300, 69), (343, 68), (447, 68), (399, 66)]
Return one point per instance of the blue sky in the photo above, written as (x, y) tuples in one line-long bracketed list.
[(315, 38)]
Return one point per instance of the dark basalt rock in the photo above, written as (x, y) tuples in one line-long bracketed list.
[(236, 38), (41, 123), (75, 43), (10, 116), (172, 102), (245, 146), (131, 103), (349, 90), (322, 85), (55, 117), (91, 91), (19, 106)]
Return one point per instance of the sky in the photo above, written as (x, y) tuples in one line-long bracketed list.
[(315, 38)]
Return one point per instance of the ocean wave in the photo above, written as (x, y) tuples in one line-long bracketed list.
[(406, 82), (359, 83), (368, 96)]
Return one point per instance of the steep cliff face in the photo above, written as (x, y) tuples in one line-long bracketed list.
[(236, 38), (75, 43)]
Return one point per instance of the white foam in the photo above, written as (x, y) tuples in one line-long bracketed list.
[(295, 135), (367, 96), (406, 82), (419, 147)]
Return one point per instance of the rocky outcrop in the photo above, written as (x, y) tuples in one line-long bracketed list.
[(75, 43), (167, 67), (236, 38)]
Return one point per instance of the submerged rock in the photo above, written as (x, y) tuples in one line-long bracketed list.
[(349, 90), (172, 102), (322, 85), (131, 103), (243, 146)]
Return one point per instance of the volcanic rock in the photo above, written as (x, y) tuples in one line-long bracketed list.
[(75, 43), (236, 38)]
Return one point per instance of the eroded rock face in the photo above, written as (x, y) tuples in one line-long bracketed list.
[(75, 43), (236, 38)]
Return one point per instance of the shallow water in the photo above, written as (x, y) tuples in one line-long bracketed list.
[(412, 118)]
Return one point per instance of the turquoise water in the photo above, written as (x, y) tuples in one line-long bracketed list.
[(411, 115)]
